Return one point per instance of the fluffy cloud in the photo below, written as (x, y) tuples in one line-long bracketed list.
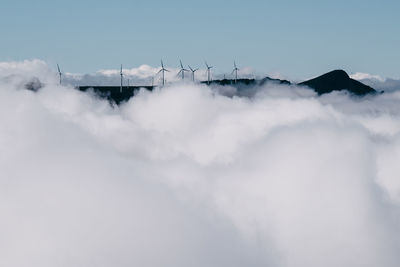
[(377, 82), (186, 176), (363, 76)]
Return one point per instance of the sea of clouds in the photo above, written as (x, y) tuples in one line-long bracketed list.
[(185, 176), (378, 82)]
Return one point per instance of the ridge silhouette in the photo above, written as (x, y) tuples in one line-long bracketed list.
[(336, 80)]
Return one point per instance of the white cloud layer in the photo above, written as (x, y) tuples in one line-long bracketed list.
[(377, 82), (363, 76), (184, 176)]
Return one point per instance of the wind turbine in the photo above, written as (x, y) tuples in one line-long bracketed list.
[(208, 72), (235, 70), (59, 72), (193, 71), (182, 70), (120, 73), (163, 70)]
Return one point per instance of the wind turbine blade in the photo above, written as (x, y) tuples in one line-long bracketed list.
[(190, 68), (159, 71), (166, 70), (180, 61), (162, 64), (58, 67)]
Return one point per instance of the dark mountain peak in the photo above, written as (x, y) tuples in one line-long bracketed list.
[(337, 80), (337, 74)]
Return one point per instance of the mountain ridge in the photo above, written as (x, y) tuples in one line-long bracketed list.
[(336, 80)]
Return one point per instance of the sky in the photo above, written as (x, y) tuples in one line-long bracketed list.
[(298, 39)]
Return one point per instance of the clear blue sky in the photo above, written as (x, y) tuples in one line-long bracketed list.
[(296, 38)]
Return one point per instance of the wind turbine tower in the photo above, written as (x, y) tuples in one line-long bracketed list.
[(235, 70), (193, 71), (208, 73), (59, 72), (182, 70), (163, 70)]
